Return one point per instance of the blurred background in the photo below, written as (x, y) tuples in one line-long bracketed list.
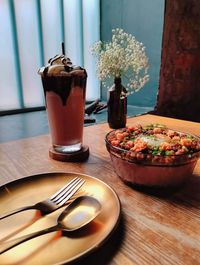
[(31, 32)]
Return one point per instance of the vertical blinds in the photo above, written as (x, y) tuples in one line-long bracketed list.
[(31, 32)]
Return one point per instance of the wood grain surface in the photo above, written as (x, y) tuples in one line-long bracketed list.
[(157, 227)]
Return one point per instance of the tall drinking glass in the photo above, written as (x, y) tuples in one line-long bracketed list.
[(64, 89)]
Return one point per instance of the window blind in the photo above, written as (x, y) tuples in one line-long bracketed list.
[(31, 32)]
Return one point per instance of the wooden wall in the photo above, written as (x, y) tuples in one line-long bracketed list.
[(179, 85)]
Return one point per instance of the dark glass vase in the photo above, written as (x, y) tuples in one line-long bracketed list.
[(117, 105)]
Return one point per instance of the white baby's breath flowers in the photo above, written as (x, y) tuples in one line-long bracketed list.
[(123, 57)]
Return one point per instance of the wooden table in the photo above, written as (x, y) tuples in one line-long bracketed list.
[(154, 228)]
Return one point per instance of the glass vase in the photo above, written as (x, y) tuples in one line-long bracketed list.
[(117, 105)]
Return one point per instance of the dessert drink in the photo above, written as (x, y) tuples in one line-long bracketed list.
[(64, 88)]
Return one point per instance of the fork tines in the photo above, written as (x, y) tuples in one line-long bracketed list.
[(61, 196)]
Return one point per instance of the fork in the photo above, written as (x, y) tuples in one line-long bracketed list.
[(54, 202)]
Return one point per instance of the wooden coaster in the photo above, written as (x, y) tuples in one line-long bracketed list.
[(78, 156)]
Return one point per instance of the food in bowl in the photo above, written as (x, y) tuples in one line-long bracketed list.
[(153, 155)]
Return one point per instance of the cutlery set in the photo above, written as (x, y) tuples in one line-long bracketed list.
[(77, 214)]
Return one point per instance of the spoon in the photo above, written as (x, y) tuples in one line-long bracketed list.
[(76, 215)]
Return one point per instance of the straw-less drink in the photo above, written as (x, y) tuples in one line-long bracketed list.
[(64, 87)]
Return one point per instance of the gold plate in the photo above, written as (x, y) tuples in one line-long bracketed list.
[(53, 248)]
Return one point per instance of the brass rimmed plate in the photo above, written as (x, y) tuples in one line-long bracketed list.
[(53, 248)]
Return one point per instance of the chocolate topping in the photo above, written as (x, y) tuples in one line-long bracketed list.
[(60, 75), (61, 85)]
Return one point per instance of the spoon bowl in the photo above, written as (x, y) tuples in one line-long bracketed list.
[(77, 214)]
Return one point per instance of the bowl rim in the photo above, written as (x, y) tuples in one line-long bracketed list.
[(151, 159)]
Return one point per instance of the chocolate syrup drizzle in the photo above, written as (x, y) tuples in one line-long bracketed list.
[(62, 84)]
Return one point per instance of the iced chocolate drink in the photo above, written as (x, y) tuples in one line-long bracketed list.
[(64, 88)]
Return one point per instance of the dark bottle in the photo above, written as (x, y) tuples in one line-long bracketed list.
[(117, 105)]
